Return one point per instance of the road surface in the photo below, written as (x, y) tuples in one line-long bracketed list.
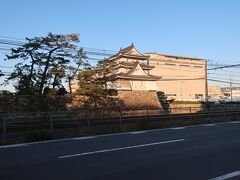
[(196, 152)]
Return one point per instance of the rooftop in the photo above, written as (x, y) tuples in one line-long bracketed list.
[(130, 52), (175, 56)]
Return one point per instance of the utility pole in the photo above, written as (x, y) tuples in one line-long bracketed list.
[(181, 83), (231, 87), (206, 83)]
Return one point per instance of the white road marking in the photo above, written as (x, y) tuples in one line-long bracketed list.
[(234, 122), (176, 128), (227, 176), (137, 132), (82, 138), (121, 148), (14, 145), (209, 124)]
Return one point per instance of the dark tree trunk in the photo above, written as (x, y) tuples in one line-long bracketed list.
[(55, 81), (69, 85), (30, 76), (44, 75)]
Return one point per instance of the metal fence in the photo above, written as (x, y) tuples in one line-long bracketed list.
[(14, 124)]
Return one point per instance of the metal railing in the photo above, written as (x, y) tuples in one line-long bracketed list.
[(14, 124)]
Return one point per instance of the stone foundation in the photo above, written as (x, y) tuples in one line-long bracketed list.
[(13, 104), (139, 99)]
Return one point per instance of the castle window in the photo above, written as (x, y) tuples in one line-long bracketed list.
[(199, 96), (171, 95), (170, 64), (198, 66), (184, 65)]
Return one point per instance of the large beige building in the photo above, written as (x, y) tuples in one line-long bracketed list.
[(214, 92), (231, 92), (180, 78)]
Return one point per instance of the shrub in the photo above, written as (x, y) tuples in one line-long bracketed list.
[(37, 136), (163, 100)]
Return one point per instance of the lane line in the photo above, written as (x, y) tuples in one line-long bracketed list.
[(227, 176), (177, 128), (121, 148), (209, 124), (83, 138), (137, 132), (234, 122), (14, 145)]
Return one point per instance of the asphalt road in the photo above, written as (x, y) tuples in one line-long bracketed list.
[(199, 152)]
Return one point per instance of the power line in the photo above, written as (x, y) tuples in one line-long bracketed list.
[(5, 49), (91, 50), (7, 37), (222, 67), (224, 79), (10, 67), (224, 74), (95, 52), (221, 81), (20, 41)]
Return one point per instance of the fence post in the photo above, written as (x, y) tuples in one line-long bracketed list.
[(170, 113), (89, 123), (103, 113), (238, 115), (51, 122), (4, 127), (191, 117), (120, 117), (147, 114)]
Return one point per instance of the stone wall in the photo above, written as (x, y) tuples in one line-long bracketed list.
[(126, 99), (199, 107), (139, 99), (76, 103), (33, 103), (186, 108)]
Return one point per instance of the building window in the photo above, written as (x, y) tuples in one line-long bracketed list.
[(171, 95), (198, 66), (170, 64), (184, 65), (199, 96)]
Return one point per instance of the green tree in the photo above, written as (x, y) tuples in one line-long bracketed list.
[(103, 70), (163, 100), (90, 87), (93, 83), (1, 74), (5, 93), (44, 62), (23, 87), (73, 71)]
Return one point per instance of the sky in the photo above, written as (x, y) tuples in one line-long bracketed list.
[(207, 29)]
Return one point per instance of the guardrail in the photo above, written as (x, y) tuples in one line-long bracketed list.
[(14, 124)]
